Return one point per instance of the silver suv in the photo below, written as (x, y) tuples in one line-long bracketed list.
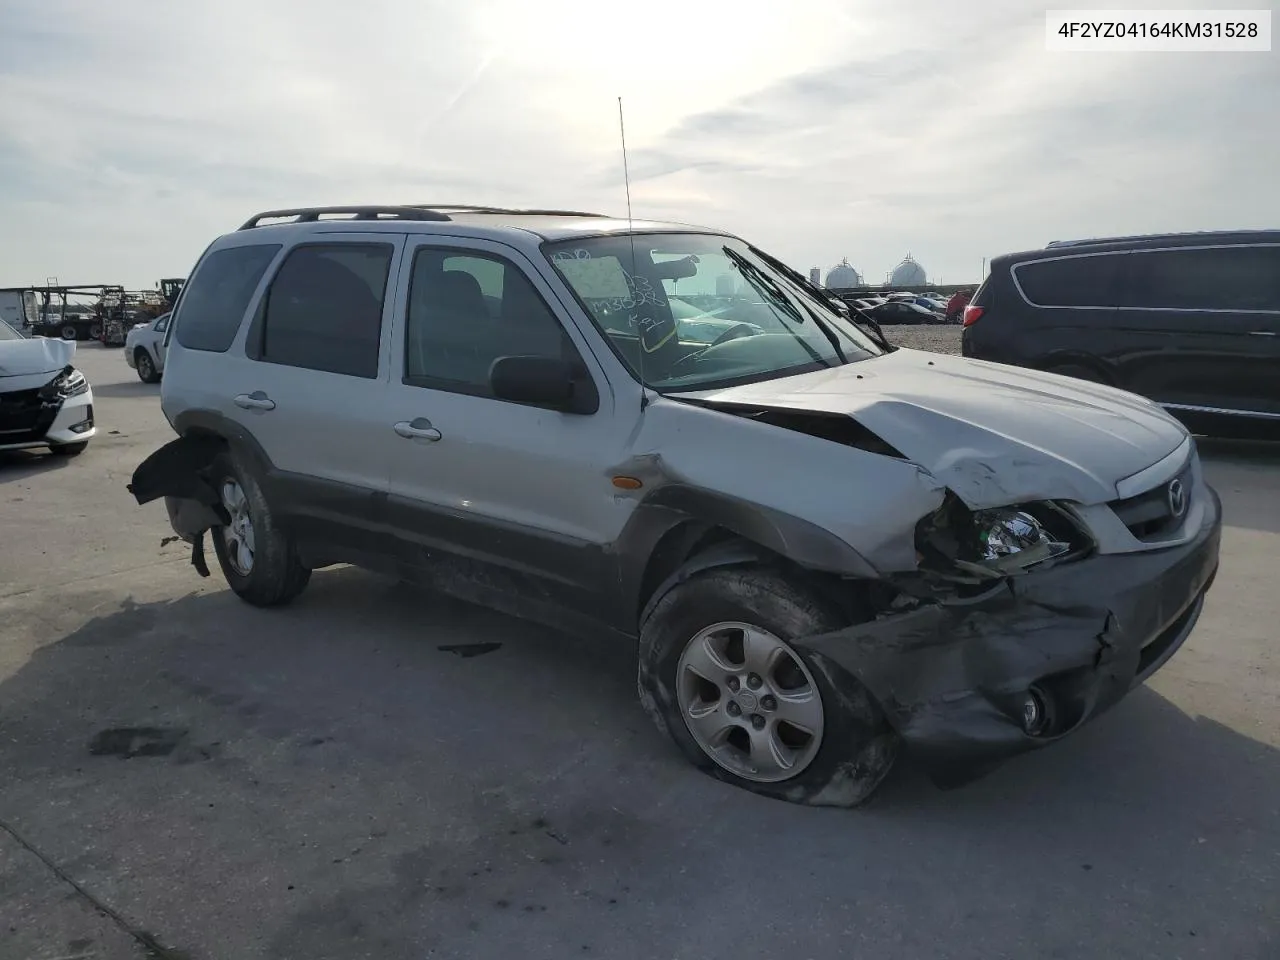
[(825, 546)]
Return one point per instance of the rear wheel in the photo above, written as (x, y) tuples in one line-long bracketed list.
[(70, 333), (146, 366), (259, 562), (1079, 371), (720, 673)]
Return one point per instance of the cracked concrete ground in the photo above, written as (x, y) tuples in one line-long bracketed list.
[(324, 781)]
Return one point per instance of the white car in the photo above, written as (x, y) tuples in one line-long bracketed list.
[(144, 348), (44, 400)]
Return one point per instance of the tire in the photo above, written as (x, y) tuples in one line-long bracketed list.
[(1078, 371), (70, 333), (69, 449), (95, 332), (855, 747), (146, 366), (273, 575)]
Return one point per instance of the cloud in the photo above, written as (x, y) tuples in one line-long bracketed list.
[(131, 134)]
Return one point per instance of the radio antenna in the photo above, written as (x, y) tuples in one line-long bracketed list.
[(633, 288)]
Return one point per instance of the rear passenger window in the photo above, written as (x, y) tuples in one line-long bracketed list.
[(215, 299), (467, 310), (1070, 281), (1223, 278), (324, 308)]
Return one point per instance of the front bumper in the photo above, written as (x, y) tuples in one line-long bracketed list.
[(28, 423), (953, 677)]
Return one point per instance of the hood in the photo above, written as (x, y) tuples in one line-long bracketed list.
[(20, 358), (994, 434)]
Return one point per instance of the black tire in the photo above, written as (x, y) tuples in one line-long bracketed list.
[(69, 333), (277, 576), (95, 332), (69, 449), (858, 747), (146, 366), (1079, 371)]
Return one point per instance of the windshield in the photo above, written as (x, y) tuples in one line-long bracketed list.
[(693, 311)]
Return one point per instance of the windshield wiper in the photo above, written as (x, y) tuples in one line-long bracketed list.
[(762, 279), (836, 303)]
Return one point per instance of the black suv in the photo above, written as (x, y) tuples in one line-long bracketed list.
[(1190, 320)]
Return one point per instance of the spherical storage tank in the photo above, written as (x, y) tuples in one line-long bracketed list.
[(843, 275), (907, 274)]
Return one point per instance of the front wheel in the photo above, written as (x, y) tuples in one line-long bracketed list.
[(259, 561), (721, 674), (70, 333)]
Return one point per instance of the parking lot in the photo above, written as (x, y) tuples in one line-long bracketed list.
[(325, 781)]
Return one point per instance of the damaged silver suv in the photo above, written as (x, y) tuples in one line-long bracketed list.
[(826, 546)]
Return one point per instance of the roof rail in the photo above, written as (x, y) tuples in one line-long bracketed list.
[(1153, 236), (471, 208), (375, 212)]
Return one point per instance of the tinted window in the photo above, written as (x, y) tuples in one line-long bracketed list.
[(467, 310), (324, 308), (1070, 282), (1225, 278), (214, 302)]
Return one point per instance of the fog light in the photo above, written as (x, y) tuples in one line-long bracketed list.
[(83, 426), (1035, 713)]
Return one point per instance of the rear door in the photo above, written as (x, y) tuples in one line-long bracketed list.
[(309, 383), (514, 495), (1214, 313)]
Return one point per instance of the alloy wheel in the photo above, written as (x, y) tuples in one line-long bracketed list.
[(237, 536), (749, 702)]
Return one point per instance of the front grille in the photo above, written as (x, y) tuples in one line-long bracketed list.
[(1149, 516), (25, 417)]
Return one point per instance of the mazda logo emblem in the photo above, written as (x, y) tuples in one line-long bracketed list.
[(1177, 499)]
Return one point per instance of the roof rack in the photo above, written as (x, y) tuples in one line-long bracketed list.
[(512, 211), (1151, 236), (314, 214)]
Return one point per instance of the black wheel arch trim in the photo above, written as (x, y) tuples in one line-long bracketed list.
[(759, 531)]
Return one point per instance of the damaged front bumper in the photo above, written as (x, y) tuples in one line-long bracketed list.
[(954, 677)]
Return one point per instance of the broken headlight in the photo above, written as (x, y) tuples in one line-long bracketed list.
[(70, 382), (982, 545), (1013, 540)]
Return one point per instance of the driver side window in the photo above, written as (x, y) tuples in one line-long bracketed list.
[(467, 309)]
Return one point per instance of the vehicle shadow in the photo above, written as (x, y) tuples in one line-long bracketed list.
[(427, 773), (23, 464), (1245, 476), (127, 388)]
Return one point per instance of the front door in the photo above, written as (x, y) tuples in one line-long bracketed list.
[(512, 496)]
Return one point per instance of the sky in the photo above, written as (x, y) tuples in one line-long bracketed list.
[(134, 132)]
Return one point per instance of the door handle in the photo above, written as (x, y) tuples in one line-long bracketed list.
[(255, 401), (1262, 333), (419, 428)]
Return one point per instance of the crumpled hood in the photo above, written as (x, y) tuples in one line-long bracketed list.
[(994, 434), (20, 358)]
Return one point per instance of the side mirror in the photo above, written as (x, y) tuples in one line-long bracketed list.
[(543, 382)]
